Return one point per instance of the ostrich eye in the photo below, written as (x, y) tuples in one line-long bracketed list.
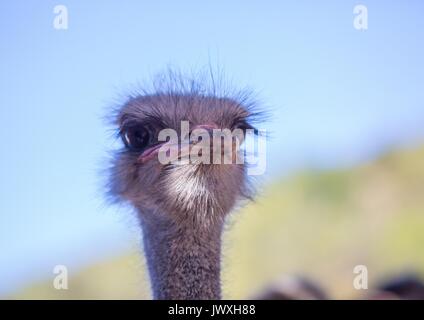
[(243, 125), (136, 138)]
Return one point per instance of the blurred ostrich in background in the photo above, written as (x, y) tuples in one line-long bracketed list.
[(291, 288), (181, 207), (404, 286)]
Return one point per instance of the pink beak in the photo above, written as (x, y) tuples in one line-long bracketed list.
[(152, 152)]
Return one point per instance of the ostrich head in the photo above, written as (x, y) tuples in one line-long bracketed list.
[(194, 192), (182, 207)]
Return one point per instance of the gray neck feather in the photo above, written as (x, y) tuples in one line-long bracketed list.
[(183, 260)]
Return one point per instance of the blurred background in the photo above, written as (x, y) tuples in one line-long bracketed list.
[(344, 184)]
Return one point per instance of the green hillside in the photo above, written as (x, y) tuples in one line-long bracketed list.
[(319, 224)]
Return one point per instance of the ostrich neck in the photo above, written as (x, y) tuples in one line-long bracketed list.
[(183, 261)]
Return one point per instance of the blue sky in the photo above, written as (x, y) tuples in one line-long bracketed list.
[(339, 96)]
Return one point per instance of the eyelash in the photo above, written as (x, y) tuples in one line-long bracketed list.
[(242, 125)]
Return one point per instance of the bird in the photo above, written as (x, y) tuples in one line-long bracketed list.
[(291, 288), (181, 207), (404, 286)]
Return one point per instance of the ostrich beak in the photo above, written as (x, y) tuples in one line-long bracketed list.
[(171, 151), (149, 153)]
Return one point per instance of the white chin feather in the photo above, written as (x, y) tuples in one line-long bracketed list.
[(191, 189)]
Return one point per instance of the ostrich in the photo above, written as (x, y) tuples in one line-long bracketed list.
[(292, 288), (181, 207), (405, 286)]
